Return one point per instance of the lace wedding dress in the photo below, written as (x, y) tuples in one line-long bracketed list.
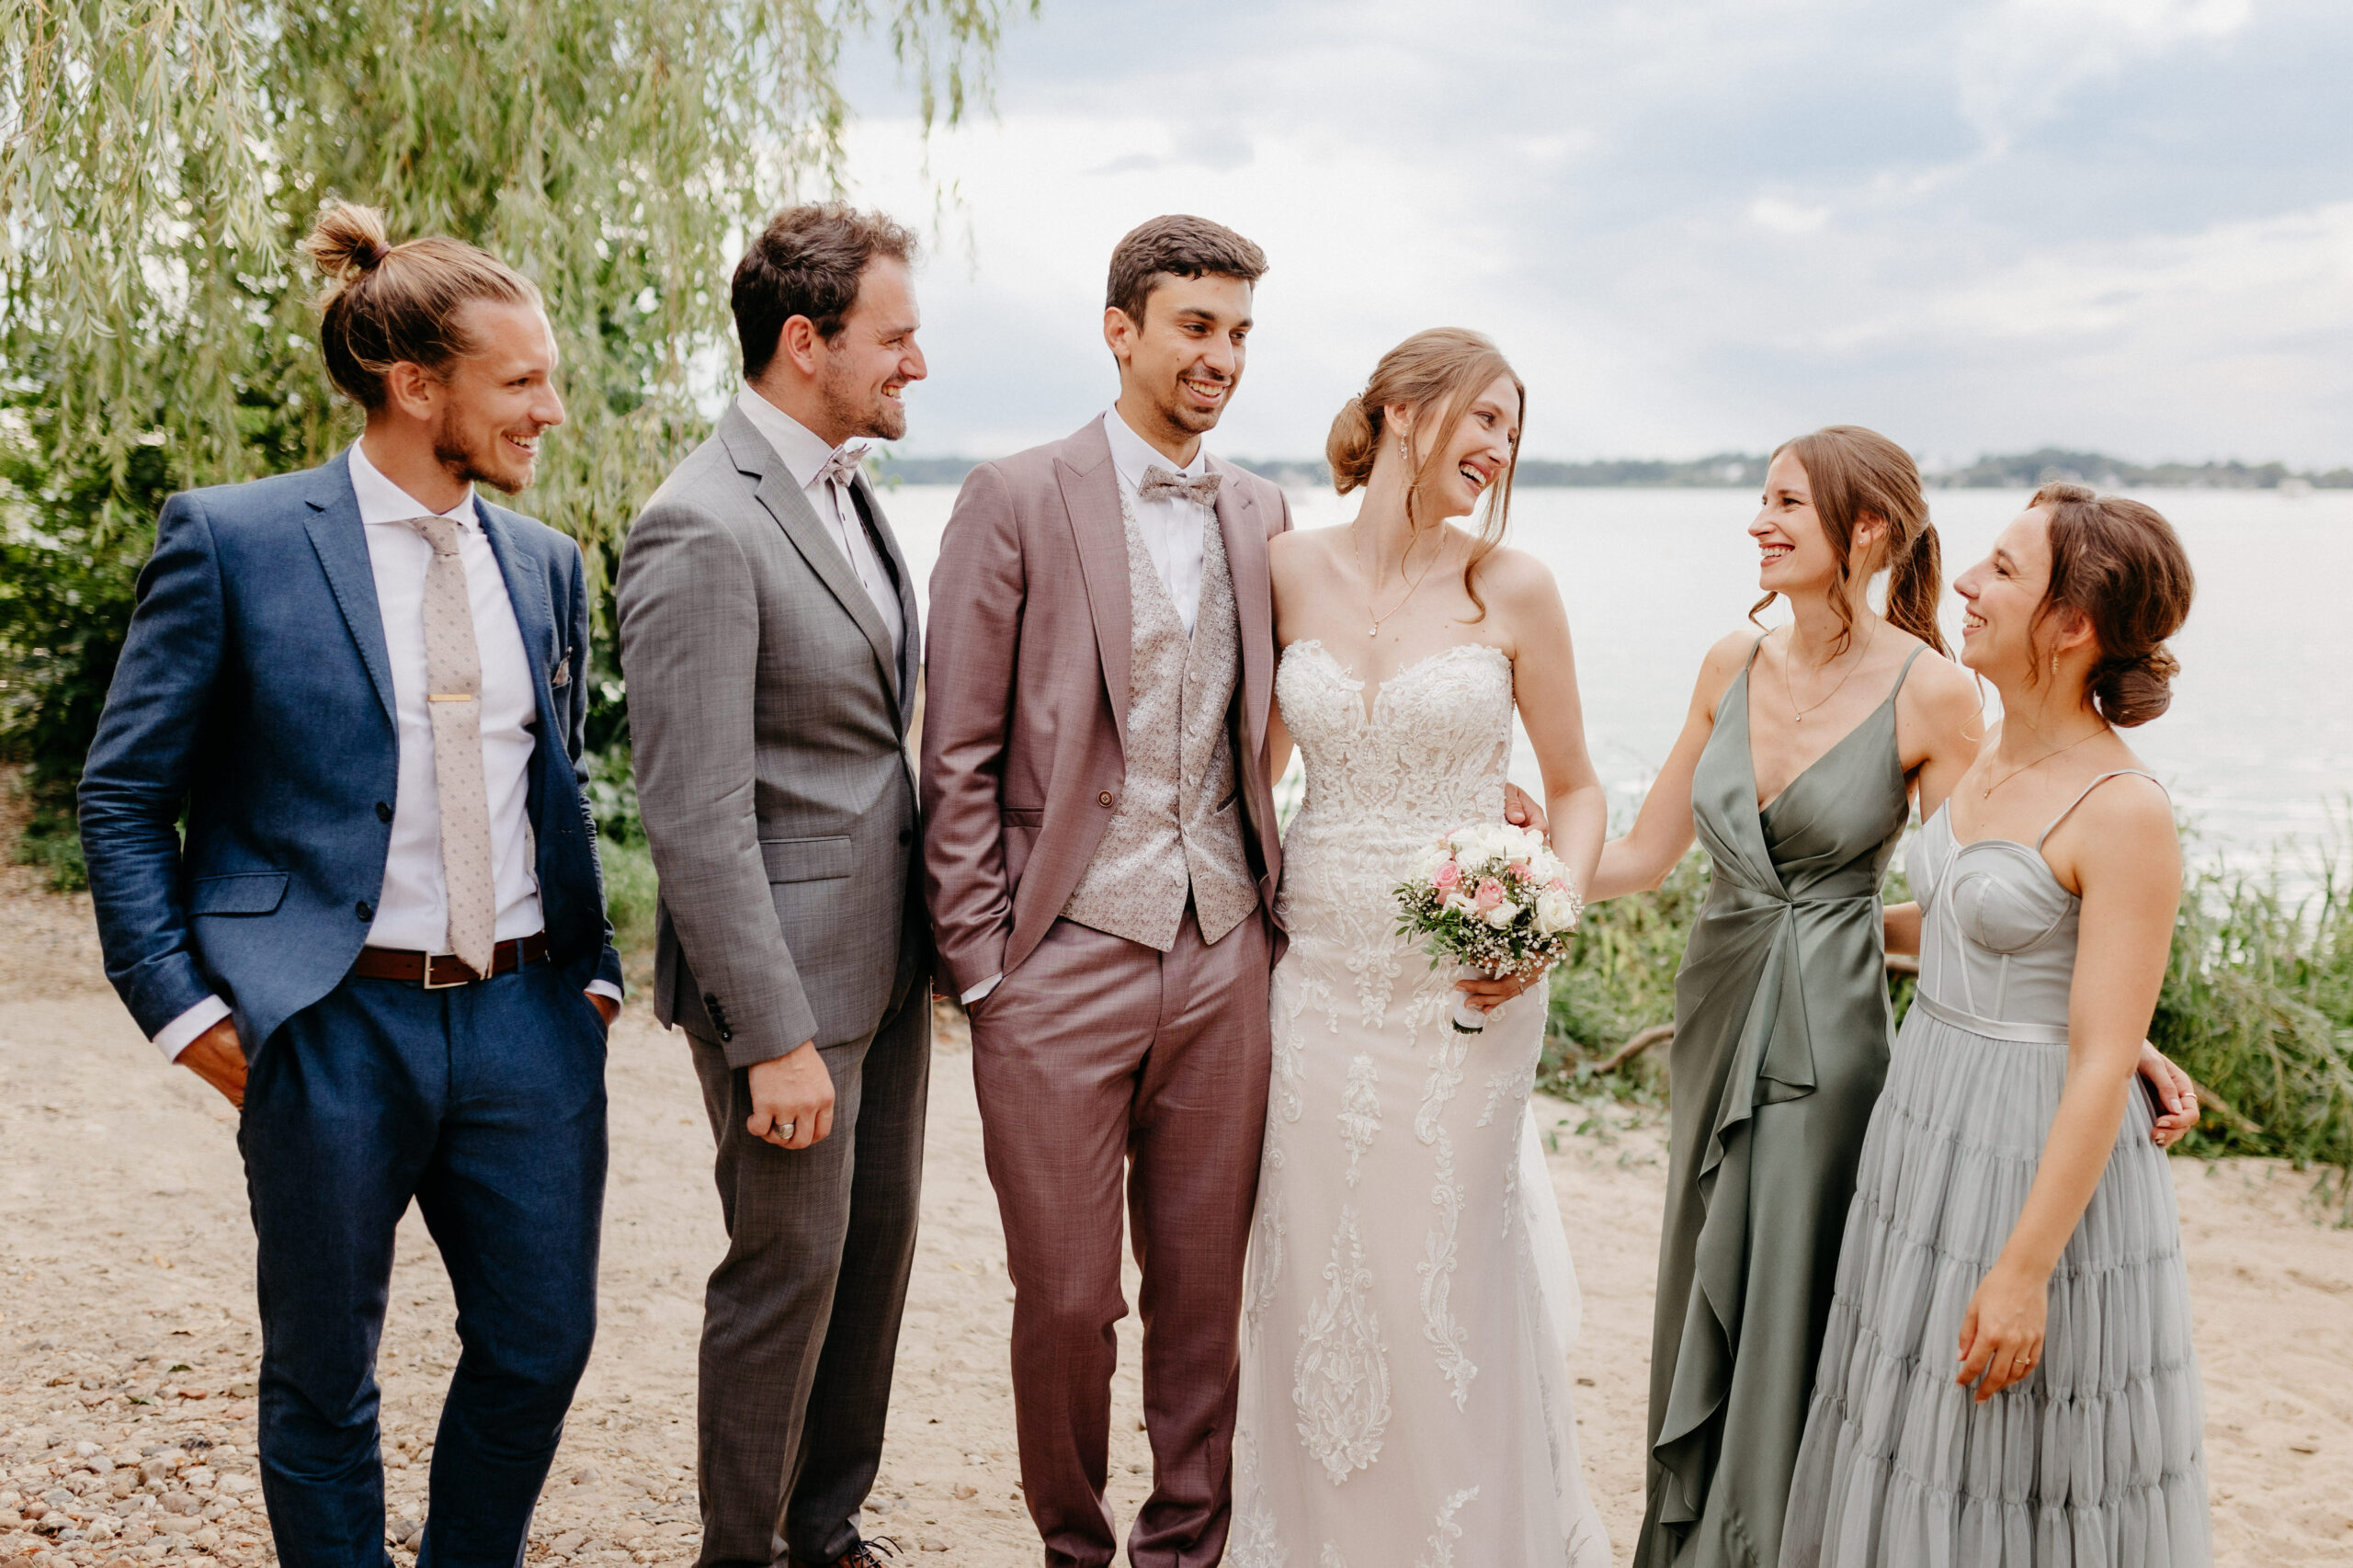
[(1410, 1303)]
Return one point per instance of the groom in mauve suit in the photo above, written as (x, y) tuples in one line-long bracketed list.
[(768, 634), (1100, 859)]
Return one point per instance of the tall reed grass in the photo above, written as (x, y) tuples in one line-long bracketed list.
[(2258, 1006)]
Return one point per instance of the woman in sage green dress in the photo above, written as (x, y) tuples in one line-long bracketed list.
[(1797, 767)]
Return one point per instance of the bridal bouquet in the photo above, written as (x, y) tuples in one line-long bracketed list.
[(1493, 899)]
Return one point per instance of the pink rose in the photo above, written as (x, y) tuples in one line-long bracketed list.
[(1560, 884), (1491, 894), (1519, 870), (1448, 875)]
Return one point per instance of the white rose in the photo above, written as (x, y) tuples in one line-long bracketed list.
[(1461, 903), (1555, 912), (1502, 915)]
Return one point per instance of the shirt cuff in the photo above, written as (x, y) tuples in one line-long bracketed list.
[(604, 988), (178, 1035), (982, 989)]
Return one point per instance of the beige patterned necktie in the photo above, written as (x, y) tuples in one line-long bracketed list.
[(453, 702)]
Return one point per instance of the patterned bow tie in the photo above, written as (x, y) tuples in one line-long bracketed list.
[(1159, 485), (843, 466)]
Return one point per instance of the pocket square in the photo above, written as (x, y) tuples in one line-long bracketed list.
[(562, 676)]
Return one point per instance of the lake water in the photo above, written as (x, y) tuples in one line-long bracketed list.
[(2258, 747)]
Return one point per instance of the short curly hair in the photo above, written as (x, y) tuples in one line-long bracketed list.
[(807, 262)]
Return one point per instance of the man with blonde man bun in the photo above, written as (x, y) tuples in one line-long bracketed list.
[(383, 937)]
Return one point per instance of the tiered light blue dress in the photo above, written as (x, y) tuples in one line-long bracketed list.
[(2095, 1460)]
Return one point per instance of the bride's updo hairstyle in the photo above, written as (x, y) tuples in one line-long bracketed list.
[(385, 304), (1440, 373), (1855, 474), (2120, 565)]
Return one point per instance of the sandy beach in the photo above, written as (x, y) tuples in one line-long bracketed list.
[(128, 1337)]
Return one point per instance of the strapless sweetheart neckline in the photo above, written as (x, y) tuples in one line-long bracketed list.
[(1377, 686)]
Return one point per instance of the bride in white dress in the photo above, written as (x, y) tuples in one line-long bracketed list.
[(1406, 1395)]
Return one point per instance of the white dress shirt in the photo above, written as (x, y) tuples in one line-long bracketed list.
[(805, 453), (412, 910), (1170, 528), (1172, 533)]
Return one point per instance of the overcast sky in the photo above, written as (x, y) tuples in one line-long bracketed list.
[(1694, 225)]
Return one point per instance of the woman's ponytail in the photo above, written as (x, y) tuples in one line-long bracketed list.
[(1915, 583)]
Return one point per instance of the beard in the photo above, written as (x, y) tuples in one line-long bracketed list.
[(1180, 415), (861, 411), (479, 462)]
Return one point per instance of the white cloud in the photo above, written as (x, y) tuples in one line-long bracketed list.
[(2020, 58), (1694, 224)]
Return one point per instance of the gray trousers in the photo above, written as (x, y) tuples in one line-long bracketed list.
[(801, 1319)]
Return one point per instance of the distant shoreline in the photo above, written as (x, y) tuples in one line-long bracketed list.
[(1738, 471)]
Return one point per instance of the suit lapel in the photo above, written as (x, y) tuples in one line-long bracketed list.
[(781, 495), (1244, 534), (911, 659), (1090, 488), (341, 542), (528, 592)]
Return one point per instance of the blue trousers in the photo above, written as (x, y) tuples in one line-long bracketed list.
[(485, 1104)]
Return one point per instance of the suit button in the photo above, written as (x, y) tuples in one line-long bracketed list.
[(383, 812), (907, 835), (1104, 799), (711, 998), (365, 910), (726, 1034)]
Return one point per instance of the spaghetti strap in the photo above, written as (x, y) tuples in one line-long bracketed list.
[(2080, 799), (1905, 672), (1751, 663)]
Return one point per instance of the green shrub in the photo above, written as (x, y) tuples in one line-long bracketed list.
[(1620, 980), (630, 891), (2258, 1007)]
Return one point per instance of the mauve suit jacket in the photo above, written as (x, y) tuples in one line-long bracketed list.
[(1026, 695)]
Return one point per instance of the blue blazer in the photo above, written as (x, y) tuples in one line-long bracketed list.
[(255, 692)]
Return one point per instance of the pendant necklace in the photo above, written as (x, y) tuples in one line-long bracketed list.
[(1788, 659), (1355, 548), (2038, 761)]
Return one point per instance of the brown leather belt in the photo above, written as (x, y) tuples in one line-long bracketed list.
[(438, 972)]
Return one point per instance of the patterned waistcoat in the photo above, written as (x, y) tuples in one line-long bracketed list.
[(1178, 828)]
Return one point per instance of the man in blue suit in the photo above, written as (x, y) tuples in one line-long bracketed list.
[(383, 937)]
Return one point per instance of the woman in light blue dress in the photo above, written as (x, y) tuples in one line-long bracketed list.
[(2008, 1376)]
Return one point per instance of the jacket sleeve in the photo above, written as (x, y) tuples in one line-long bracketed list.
[(977, 586), (141, 765), (690, 646), (575, 741)]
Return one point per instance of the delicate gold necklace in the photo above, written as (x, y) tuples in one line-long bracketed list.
[(1355, 548), (2038, 761), (1789, 657)]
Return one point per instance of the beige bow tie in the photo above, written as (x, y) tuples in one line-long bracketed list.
[(453, 703), (1160, 485), (842, 467)]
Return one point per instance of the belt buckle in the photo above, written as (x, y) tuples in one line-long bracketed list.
[(447, 985)]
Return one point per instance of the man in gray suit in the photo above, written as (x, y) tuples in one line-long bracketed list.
[(768, 636)]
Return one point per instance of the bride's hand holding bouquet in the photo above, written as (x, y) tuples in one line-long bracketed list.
[(1495, 902)]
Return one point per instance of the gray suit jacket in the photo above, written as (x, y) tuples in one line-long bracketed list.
[(769, 719)]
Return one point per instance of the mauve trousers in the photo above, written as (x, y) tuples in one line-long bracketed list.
[(1097, 1060)]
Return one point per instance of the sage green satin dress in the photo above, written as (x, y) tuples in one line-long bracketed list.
[(1781, 1037)]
